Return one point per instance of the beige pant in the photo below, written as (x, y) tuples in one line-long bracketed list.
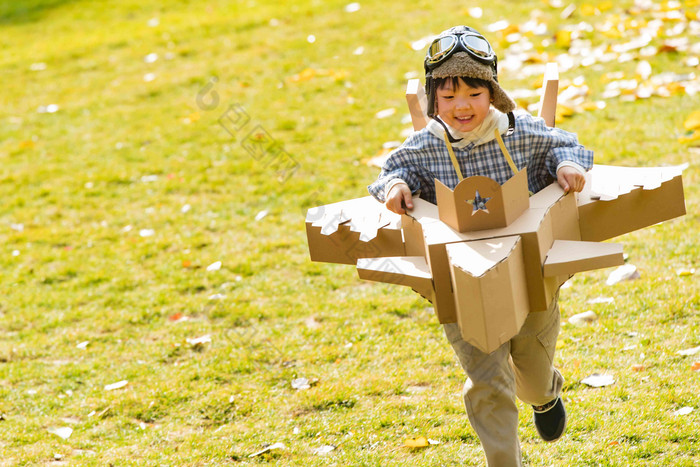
[(522, 367)]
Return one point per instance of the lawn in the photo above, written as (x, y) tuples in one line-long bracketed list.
[(158, 302)]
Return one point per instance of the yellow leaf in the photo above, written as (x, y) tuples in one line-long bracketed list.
[(694, 136), (693, 121), (305, 75), (563, 38), (419, 442), (676, 88), (563, 111), (605, 6), (589, 10), (311, 73), (612, 33)]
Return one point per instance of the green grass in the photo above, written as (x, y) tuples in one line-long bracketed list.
[(123, 155)]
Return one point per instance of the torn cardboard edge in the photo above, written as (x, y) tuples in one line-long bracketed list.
[(630, 203), (607, 182)]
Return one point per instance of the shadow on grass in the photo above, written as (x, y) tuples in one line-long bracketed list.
[(27, 11)]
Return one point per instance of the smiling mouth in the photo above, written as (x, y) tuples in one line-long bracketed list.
[(464, 119)]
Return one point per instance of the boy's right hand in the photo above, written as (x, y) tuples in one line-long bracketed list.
[(399, 199)]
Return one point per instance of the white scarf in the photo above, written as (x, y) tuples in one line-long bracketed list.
[(479, 135)]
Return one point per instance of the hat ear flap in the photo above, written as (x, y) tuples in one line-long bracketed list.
[(501, 100), (430, 93)]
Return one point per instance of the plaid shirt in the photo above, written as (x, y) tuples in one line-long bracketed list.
[(423, 157)]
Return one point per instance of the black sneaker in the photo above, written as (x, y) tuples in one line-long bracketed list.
[(550, 419)]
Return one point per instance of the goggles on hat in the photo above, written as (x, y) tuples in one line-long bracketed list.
[(473, 43)]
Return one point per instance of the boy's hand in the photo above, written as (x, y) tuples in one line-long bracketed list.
[(399, 197), (570, 179)]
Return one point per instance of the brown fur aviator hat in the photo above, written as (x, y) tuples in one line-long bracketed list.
[(462, 51)]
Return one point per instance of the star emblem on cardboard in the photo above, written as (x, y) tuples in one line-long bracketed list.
[(479, 203), (505, 202)]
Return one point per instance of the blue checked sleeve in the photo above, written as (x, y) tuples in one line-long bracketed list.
[(561, 146), (403, 163), (548, 147)]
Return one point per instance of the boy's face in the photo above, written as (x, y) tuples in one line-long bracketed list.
[(463, 108)]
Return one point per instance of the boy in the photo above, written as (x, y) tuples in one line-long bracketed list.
[(466, 104)]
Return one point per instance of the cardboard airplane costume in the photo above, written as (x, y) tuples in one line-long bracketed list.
[(487, 254)]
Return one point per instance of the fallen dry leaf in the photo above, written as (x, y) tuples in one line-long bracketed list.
[(198, 342), (420, 442), (62, 432), (352, 7), (323, 450), (303, 383), (385, 113), (581, 319), (268, 448), (627, 272), (683, 411), (117, 385), (597, 380), (308, 74), (688, 352), (692, 122)]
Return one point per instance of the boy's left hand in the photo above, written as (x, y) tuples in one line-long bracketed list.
[(570, 179)]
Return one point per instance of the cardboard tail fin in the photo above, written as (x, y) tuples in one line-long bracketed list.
[(417, 104), (548, 102), (412, 271)]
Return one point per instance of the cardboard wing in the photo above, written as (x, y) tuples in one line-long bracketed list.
[(568, 257), (618, 200), (349, 230), (412, 271)]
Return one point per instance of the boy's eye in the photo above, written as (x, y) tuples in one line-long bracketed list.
[(476, 94)]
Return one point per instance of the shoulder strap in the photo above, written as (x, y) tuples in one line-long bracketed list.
[(506, 154), (453, 158)]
